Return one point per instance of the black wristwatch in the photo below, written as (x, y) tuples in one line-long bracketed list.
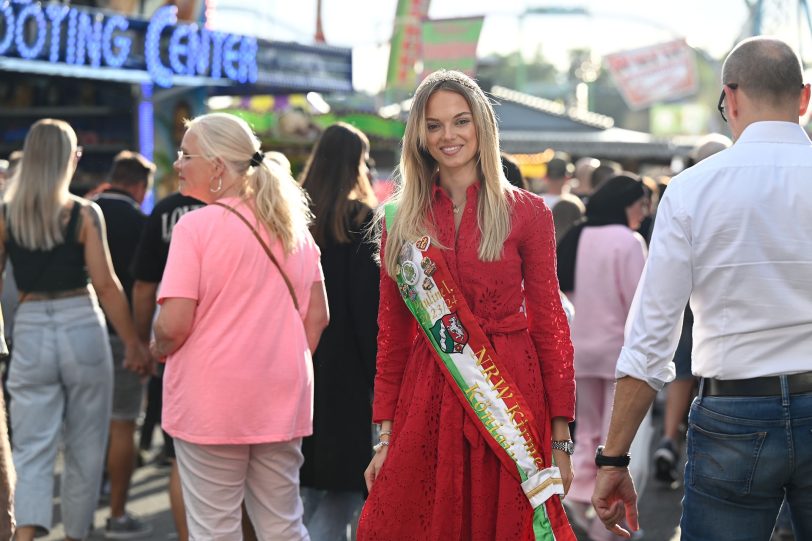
[(616, 461), (564, 445)]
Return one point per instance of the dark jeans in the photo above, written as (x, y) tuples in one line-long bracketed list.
[(745, 455)]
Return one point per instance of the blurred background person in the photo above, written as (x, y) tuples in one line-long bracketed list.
[(7, 478), (709, 145), (9, 298), (606, 170), (567, 213), (680, 392), (599, 264), (582, 175), (241, 311), (62, 375), (555, 184), (14, 160), (512, 171), (128, 182), (3, 173), (650, 202), (567, 208), (336, 455)]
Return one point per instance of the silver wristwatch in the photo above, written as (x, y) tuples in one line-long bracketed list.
[(564, 445)]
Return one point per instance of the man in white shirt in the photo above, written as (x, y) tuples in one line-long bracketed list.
[(733, 233)]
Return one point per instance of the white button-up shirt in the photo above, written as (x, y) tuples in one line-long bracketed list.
[(733, 233)]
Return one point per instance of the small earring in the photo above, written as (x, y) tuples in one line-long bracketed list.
[(219, 185)]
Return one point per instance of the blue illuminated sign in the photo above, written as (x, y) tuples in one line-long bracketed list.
[(97, 39)]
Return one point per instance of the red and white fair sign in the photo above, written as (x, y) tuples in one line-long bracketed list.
[(654, 74)]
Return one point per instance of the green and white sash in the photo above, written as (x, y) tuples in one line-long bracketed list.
[(480, 380)]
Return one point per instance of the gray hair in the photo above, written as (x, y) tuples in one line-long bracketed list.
[(765, 68), (709, 145)]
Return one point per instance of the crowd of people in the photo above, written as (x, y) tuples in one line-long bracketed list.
[(487, 338)]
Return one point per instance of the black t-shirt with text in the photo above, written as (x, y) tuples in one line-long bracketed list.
[(153, 249)]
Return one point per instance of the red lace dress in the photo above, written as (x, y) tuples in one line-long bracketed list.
[(440, 480)]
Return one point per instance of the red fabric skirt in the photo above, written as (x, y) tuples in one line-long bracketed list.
[(441, 480)]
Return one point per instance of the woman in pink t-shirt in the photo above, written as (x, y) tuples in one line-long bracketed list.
[(237, 333)]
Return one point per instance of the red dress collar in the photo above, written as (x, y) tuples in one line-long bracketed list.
[(473, 189)]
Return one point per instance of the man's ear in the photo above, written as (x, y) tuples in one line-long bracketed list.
[(804, 100), (731, 102)]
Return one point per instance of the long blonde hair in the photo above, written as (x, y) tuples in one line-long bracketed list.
[(39, 188), (418, 170), (279, 203)]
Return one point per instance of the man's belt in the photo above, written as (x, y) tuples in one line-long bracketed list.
[(766, 386)]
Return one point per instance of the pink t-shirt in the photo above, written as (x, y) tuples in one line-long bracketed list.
[(244, 374), (608, 265)]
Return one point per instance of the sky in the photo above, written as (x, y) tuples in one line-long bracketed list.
[(612, 25)]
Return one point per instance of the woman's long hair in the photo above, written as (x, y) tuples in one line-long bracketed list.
[(418, 170), (280, 204), (334, 175), (39, 188)]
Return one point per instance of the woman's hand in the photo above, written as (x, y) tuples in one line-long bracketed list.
[(564, 463), (155, 351), (561, 432), (137, 358), (374, 468)]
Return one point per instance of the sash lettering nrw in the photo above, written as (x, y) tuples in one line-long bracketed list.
[(480, 381)]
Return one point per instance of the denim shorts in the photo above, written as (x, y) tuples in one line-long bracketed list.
[(128, 387)]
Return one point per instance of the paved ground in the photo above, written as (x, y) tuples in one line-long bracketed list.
[(149, 500), (659, 507)]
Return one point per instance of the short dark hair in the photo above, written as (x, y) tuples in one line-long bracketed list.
[(606, 170), (560, 166), (765, 68), (130, 169)]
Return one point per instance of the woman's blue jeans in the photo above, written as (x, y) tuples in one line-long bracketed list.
[(745, 454), (61, 385)]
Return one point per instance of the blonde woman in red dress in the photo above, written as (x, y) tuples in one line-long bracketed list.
[(474, 259)]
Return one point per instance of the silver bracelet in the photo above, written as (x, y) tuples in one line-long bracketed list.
[(380, 445)]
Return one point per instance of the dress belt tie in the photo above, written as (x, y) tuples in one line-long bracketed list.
[(513, 323)]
